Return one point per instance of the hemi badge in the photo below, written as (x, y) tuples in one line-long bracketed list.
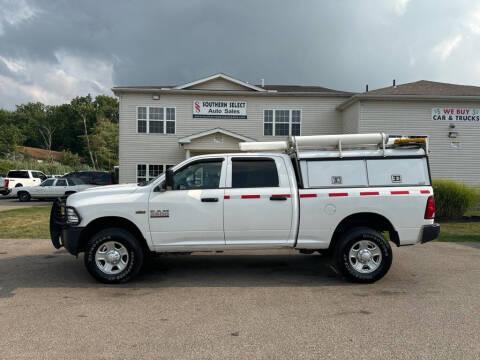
[(140, 212)]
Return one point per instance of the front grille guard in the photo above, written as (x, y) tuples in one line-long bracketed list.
[(58, 221)]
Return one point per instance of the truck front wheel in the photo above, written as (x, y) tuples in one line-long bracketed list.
[(363, 255), (113, 256)]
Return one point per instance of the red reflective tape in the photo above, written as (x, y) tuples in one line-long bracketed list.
[(424, 191), (400, 192), (308, 195), (226, 197), (363, 193), (250, 196), (281, 195), (337, 194)]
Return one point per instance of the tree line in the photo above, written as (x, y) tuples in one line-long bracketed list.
[(84, 130)]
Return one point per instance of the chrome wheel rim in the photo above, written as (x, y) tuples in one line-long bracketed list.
[(365, 256), (112, 257)]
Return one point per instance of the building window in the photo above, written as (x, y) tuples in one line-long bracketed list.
[(147, 172), (155, 120), (268, 122), (142, 119), (154, 171), (141, 173), (295, 123), (281, 122), (155, 125), (170, 121)]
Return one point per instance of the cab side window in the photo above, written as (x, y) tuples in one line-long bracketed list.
[(250, 173), (198, 175)]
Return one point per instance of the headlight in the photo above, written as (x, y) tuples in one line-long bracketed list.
[(72, 216)]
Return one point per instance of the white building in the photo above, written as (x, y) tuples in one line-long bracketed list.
[(162, 125)]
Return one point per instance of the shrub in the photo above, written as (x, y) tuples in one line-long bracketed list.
[(69, 159), (47, 167), (452, 199)]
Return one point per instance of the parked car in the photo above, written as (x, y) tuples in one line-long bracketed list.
[(337, 199), (18, 178), (51, 189), (93, 177)]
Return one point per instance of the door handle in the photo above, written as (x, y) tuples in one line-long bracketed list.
[(281, 198), (209, 199)]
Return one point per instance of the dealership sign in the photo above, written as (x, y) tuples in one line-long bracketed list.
[(219, 109), (456, 114)]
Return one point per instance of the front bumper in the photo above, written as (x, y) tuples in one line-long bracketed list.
[(430, 232), (61, 233)]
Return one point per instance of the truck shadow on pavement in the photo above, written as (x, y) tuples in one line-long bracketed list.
[(60, 270)]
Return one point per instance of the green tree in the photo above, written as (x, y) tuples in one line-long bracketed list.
[(29, 118), (10, 135), (85, 109), (107, 107), (104, 142)]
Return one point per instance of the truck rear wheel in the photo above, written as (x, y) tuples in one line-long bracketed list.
[(363, 255), (113, 256)]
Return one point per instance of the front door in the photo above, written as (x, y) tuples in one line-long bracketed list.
[(258, 202), (192, 213)]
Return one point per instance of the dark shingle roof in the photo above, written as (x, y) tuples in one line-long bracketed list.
[(424, 87)]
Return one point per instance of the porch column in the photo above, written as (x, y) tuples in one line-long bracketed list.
[(187, 153)]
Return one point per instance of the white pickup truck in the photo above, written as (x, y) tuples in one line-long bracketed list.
[(18, 178), (336, 194)]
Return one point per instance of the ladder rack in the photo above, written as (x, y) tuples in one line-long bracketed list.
[(338, 142)]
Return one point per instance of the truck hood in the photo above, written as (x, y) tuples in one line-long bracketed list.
[(111, 189)]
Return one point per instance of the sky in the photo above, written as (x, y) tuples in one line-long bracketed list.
[(52, 51)]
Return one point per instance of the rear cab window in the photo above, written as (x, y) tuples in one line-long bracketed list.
[(254, 172)]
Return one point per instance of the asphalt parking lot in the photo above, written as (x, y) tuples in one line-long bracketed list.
[(279, 305), (9, 203)]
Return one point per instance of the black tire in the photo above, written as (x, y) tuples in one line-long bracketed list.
[(18, 185), (24, 196), (125, 238), (349, 240)]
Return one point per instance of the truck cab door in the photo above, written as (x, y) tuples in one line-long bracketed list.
[(190, 214), (258, 201)]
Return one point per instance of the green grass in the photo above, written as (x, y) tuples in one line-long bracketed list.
[(25, 223), (34, 223), (459, 231)]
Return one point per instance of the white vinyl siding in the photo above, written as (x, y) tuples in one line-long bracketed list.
[(460, 163), (281, 122), (317, 115)]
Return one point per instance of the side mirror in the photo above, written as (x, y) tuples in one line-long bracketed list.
[(169, 179)]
